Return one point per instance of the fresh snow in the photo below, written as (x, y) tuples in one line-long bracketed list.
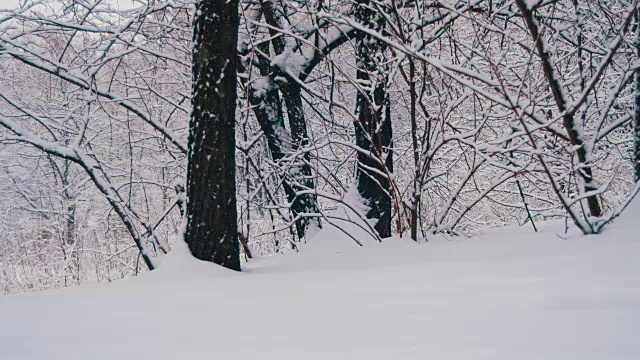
[(505, 293), (290, 61)]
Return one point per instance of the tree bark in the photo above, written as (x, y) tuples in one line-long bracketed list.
[(373, 129), (212, 233), (585, 171), (300, 173), (415, 199)]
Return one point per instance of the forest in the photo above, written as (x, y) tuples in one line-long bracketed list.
[(244, 127)]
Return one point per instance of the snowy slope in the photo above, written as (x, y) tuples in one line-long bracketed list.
[(504, 294)]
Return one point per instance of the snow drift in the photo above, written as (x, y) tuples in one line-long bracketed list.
[(504, 293)]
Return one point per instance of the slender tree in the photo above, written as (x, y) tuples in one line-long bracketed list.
[(569, 119), (212, 232)]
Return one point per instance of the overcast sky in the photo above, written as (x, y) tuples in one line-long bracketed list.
[(8, 4)]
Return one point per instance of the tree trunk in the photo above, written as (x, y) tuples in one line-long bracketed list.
[(373, 130), (575, 138), (415, 199), (300, 173), (70, 226), (212, 232), (265, 100)]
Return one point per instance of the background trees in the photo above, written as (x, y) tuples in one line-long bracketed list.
[(428, 117)]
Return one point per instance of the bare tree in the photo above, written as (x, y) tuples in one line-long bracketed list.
[(373, 131), (211, 229)]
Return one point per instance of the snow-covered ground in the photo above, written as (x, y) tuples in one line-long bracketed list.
[(504, 294)]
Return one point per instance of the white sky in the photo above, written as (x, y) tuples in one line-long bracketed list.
[(8, 4)]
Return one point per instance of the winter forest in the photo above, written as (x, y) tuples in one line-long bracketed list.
[(424, 117), (258, 129)]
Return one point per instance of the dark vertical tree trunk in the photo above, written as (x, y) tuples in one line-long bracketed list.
[(415, 199), (212, 232), (268, 112), (300, 177), (267, 107), (264, 97), (373, 129), (299, 170)]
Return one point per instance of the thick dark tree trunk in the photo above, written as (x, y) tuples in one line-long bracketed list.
[(373, 129), (212, 232)]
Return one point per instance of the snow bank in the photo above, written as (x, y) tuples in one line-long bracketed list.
[(503, 294)]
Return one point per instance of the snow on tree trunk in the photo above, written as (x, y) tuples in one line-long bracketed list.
[(373, 130), (572, 127), (300, 173), (211, 232)]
